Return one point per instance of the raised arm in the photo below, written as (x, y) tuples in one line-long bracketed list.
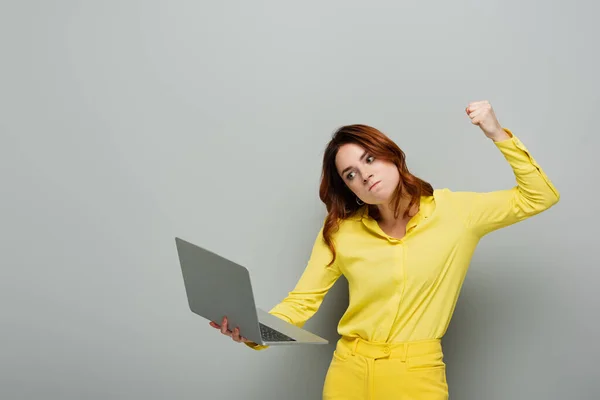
[(305, 299), (533, 193)]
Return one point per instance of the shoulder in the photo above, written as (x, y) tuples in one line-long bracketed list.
[(345, 226), (453, 196), (350, 223), (452, 201)]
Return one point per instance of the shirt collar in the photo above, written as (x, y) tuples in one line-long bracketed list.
[(426, 208)]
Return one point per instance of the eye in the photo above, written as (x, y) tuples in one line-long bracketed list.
[(350, 175), (370, 159)]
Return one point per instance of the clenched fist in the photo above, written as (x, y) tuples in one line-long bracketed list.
[(482, 114)]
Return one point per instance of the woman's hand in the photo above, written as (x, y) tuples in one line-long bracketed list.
[(235, 334), (482, 114)]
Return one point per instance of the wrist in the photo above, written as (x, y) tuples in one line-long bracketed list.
[(499, 136)]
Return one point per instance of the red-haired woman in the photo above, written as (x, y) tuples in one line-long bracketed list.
[(404, 249)]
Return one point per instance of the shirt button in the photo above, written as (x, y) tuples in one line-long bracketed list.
[(386, 349)]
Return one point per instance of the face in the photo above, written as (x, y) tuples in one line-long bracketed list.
[(372, 180)]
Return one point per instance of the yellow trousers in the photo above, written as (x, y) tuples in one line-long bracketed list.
[(362, 370)]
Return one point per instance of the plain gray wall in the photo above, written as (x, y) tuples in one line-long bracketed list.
[(127, 123)]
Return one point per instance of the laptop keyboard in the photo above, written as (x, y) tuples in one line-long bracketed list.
[(271, 335)]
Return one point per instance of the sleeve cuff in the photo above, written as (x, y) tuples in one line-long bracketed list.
[(255, 346)]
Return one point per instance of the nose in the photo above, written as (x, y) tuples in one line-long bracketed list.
[(366, 179)]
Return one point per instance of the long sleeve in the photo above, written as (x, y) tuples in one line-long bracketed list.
[(305, 299), (533, 193)]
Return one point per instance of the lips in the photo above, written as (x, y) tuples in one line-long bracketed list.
[(373, 185)]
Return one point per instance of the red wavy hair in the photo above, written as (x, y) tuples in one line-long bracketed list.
[(340, 201)]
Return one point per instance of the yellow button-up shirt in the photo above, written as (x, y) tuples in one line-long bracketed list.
[(406, 289)]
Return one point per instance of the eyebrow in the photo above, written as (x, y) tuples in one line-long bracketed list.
[(350, 167)]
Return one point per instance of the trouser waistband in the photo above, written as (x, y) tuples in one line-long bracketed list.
[(400, 350)]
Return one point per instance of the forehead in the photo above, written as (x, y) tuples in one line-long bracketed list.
[(348, 154)]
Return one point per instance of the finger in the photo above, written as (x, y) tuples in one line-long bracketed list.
[(475, 113), (214, 325), (224, 326), (245, 340), (236, 335), (476, 120), (478, 103), (472, 108)]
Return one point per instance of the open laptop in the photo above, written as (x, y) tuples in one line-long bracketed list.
[(217, 287)]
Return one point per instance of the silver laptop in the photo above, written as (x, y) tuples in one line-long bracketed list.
[(217, 287)]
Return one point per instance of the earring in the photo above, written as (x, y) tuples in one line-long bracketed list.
[(359, 201)]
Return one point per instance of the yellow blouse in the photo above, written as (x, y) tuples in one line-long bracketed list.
[(406, 289)]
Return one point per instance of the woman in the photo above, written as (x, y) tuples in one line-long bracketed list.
[(405, 249)]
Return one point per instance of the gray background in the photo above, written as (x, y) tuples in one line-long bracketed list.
[(126, 123)]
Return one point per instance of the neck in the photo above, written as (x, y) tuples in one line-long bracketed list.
[(387, 212)]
